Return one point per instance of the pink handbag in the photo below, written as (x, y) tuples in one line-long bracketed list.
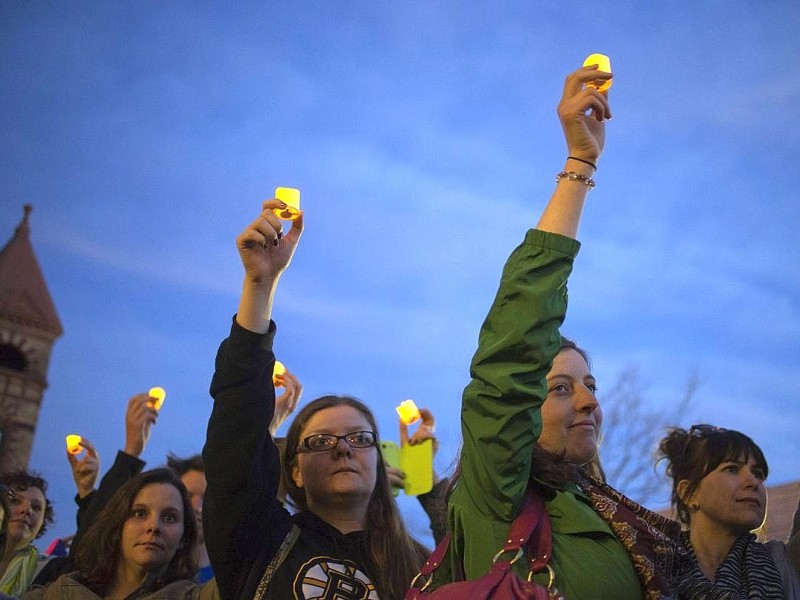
[(531, 528)]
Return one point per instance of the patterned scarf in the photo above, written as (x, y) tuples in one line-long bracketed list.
[(19, 573), (652, 541), (748, 572)]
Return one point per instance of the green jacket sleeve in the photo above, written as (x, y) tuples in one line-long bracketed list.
[(500, 414)]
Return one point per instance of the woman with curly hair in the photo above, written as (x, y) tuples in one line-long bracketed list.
[(29, 513)]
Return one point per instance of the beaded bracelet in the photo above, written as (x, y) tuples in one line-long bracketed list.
[(573, 176)]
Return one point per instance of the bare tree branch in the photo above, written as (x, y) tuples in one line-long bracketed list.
[(632, 428)]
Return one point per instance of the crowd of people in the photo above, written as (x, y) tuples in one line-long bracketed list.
[(314, 515)]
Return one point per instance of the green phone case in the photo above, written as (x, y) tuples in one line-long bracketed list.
[(415, 461)]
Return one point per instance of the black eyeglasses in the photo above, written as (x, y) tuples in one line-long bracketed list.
[(701, 432), (323, 442)]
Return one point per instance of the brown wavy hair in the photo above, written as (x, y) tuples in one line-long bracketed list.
[(21, 481), (396, 554), (99, 550)]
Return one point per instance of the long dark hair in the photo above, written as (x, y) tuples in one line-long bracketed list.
[(396, 554), (693, 453), (99, 550)]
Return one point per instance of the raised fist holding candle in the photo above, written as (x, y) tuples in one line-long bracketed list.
[(86, 469), (425, 430), (286, 403), (330, 466), (583, 111), (139, 418), (265, 252)]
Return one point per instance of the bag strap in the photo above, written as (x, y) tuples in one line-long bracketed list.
[(436, 557), (531, 527), (540, 542)]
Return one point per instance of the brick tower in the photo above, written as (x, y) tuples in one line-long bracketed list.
[(29, 325)]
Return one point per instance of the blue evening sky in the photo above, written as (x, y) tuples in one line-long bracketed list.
[(424, 138)]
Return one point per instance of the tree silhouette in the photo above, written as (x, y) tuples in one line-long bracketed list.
[(632, 427)]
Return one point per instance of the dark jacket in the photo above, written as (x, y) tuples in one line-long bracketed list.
[(245, 524)]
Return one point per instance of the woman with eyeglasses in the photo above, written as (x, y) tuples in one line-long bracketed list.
[(719, 495), (347, 539)]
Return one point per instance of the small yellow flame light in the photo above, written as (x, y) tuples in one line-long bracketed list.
[(291, 196), (157, 394), (408, 412), (277, 374), (74, 444), (603, 64)]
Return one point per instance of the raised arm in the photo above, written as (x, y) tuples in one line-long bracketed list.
[(242, 518), (264, 259), (85, 470), (139, 419), (500, 417), (583, 112)]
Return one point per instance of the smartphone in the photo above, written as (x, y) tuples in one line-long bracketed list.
[(415, 461), (391, 456), (417, 464)]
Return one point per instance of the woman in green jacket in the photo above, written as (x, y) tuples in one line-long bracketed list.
[(530, 416)]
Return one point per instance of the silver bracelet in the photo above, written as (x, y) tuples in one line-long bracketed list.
[(573, 176)]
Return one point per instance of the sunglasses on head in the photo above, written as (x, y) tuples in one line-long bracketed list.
[(701, 432)]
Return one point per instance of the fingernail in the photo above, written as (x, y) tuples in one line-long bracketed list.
[(280, 234), (275, 241)]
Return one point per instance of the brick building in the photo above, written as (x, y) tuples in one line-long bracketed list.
[(29, 326)]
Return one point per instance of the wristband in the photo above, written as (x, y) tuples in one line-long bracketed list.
[(586, 162)]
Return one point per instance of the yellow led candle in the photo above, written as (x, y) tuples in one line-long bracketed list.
[(74, 444), (603, 64), (408, 412), (277, 374), (157, 394), (291, 197)]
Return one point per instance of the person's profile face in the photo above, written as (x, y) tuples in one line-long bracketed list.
[(732, 496)]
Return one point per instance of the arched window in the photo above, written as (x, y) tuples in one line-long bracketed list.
[(12, 358)]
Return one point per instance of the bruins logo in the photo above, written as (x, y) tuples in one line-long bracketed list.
[(326, 578)]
